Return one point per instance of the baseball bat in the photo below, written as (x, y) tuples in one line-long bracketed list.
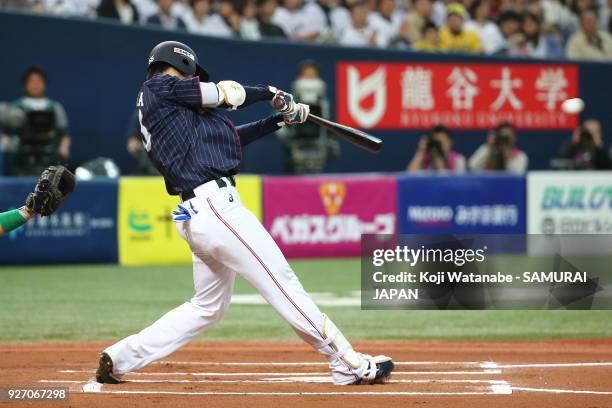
[(357, 137)]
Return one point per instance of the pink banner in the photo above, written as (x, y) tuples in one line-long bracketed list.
[(325, 216)]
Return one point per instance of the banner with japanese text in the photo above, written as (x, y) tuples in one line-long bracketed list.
[(569, 202), (375, 95), (325, 216), (83, 230), (470, 204)]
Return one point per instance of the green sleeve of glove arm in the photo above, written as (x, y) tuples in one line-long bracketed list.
[(11, 220)]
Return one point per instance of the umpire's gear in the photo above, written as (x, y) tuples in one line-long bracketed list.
[(179, 56)]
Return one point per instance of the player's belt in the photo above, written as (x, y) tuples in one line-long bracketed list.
[(221, 183)]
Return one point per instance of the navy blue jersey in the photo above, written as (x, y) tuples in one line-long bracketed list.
[(189, 144)]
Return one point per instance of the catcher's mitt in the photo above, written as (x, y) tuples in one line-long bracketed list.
[(54, 185)]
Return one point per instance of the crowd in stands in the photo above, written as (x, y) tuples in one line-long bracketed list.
[(576, 29)]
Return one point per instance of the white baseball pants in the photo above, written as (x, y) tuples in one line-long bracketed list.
[(226, 238)]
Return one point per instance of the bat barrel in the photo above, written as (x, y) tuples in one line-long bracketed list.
[(355, 136)]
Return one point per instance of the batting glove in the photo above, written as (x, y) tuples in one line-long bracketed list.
[(231, 94), (293, 113), (183, 213)]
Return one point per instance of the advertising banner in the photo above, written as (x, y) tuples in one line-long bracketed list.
[(471, 204), (147, 234), (325, 216), (577, 202), (84, 230), (376, 95)]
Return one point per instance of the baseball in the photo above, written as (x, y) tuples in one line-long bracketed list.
[(572, 106)]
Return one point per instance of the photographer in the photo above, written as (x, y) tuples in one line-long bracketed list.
[(43, 137), (307, 147), (586, 151), (434, 153), (499, 153)]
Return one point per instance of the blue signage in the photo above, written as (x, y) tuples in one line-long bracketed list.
[(84, 230), (469, 204)]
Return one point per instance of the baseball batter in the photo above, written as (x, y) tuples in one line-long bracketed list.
[(198, 150)]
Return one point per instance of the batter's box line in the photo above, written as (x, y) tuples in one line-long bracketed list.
[(482, 364), (94, 387), (317, 363), (314, 379), (277, 374)]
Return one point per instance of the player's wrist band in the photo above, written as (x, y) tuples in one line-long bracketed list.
[(11, 220)]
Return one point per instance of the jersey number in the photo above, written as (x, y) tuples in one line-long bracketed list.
[(146, 141)]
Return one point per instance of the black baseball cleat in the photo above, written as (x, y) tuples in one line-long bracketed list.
[(104, 373), (378, 371)]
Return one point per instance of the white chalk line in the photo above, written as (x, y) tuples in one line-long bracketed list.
[(277, 374), (557, 391), (317, 363), (321, 379), (319, 393), (482, 364), (551, 365)]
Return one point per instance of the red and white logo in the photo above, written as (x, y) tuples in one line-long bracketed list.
[(462, 96), (367, 96)]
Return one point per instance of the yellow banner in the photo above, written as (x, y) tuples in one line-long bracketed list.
[(147, 234)]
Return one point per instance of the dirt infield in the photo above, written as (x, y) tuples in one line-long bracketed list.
[(263, 374)]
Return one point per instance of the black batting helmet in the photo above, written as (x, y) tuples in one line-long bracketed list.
[(179, 56)]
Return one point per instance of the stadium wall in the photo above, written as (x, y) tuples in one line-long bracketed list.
[(129, 220), (96, 68)]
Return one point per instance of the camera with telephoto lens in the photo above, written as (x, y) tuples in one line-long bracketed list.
[(501, 139), (434, 147), (586, 137)]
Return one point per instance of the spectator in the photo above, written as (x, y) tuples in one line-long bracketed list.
[(359, 33), (249, 26), (146, 8), (438, 11), (84, 8), (557, 15), (198, 20), (165, 18), (266, 11), (419, 15), (499, 153), (339, 17), (318, 15), (535, 44), (402, 40), (510, 24), (182, 9), (293, 21), (122, 10), (225, 22), (488, 32), (43, 138), (429, 39), (586, 151), (434, 153), (386, 21), (589, 43), (456, 38)]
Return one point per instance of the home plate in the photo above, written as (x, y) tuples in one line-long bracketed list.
[(92, 386)]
